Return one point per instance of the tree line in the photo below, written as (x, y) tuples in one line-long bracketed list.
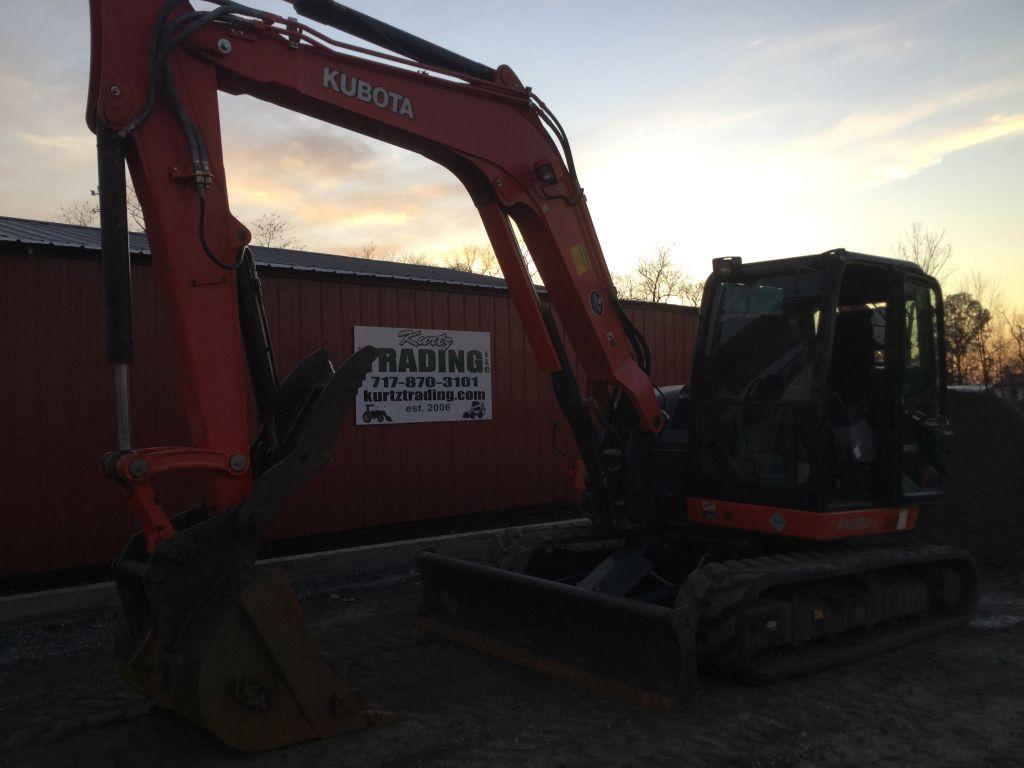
[(984, 334)]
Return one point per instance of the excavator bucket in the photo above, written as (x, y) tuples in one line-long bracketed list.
[(222, 642), (253, 677), (635, 651)]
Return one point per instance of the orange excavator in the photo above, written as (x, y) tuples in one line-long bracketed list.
[(742, 522)]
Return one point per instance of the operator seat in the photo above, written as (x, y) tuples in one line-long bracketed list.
[(850, 412), (853, 356)]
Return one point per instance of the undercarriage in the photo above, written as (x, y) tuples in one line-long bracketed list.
[(637, 616)]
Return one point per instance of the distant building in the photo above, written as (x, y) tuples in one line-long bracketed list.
[(1010, 386)]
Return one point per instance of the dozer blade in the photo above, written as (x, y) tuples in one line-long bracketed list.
[(225, 643), (635, 651)]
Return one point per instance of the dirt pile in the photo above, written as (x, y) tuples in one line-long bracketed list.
[(983, 510)]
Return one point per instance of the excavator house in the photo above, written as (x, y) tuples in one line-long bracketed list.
[(752, 523)]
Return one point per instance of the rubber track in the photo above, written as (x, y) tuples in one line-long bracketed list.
[(724, 591)]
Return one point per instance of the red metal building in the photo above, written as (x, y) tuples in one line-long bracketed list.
[(57, 413)]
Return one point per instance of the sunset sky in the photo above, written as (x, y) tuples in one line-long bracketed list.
[(760, 129)]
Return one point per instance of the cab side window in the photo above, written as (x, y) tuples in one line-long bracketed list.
[(920, 353)]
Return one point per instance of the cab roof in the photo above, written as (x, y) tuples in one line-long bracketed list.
[(824, 260)]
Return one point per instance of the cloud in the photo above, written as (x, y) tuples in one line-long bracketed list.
[(341, 190), (846, 145), (862, 125), (845, 38), (76, 145), (868, 149), (915, 157), (768, 173)]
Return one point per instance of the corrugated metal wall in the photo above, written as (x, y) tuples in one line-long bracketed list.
[(57, 415)]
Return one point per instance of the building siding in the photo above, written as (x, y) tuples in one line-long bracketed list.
[(57, 415)]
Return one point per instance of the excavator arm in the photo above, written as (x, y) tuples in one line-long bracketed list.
[(201, 624), (155, 75)]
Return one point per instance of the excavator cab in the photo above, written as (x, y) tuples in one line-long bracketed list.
[(818, 384)]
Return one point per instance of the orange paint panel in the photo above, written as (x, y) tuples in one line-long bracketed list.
[(801, 523)]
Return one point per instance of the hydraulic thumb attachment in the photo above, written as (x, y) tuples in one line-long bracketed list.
[(222, 642)]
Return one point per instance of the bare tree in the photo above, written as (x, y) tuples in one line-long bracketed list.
[(274, 230), (929, 250), (81, 214), (367, 250), (87, 212), (135, 210), (691, 292), (370, 250), (134, 207), (478, 259), (409, 257), (528, 262), (658, 279), (627, 286)]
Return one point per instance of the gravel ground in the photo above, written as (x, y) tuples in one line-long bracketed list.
[(953, 700)]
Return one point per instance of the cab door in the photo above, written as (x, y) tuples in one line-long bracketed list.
[(924, 428)]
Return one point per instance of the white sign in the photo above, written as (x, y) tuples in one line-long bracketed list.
[(422, 374)]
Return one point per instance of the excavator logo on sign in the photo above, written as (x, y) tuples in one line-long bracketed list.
[(380, 97)]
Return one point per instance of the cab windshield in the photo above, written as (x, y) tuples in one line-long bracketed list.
[(758, 422), (762, 345)]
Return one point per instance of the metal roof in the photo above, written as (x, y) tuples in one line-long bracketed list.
[(14, 231), (50, 233)]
